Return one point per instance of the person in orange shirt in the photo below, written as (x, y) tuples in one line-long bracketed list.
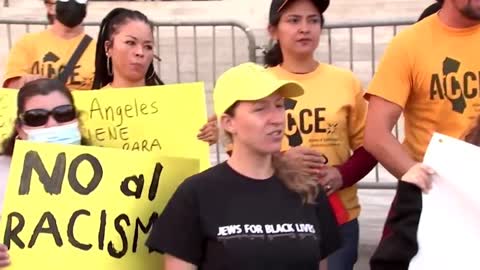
[(124, 57), (430, 72), (46, 54), (326, 124)]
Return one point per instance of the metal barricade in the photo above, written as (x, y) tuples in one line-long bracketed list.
[(189, 50), (201, 50)]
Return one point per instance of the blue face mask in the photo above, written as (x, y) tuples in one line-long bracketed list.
[(65, 134)]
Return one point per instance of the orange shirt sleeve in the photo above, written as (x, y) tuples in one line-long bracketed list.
[(393, 79), (19, 60), (357, 116)]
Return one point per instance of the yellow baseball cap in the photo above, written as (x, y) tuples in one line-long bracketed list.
[(249, 82)]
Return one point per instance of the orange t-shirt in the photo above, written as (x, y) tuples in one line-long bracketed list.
[(329, 117), (432, 71), (46, 54)]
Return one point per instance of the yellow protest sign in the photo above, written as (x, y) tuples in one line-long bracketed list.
[(160, 118), (80, 207), (8, 109), (164, 119)]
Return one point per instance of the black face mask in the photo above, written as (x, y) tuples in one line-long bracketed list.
[(70, 13)]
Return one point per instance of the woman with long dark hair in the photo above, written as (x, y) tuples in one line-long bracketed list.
[(124, 57), (327, 121)]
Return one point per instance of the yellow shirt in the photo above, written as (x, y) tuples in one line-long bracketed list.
[(47, 54), (329, 117), (432, 71)]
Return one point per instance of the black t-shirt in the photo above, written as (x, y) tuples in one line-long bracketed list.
[(220, 219)]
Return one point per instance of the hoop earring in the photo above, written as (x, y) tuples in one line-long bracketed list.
[(109, 68)]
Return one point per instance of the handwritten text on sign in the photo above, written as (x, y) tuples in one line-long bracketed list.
[(75, 207), (119, 130), (163, 118)]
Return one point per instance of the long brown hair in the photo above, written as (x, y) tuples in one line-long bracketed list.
[(274, 56), (109, 26), (303, 184)]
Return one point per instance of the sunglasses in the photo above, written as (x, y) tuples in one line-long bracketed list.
[(39, 117)]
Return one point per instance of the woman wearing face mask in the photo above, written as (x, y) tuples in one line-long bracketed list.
[(250, 212), (327, 120), (45, 54), (45, 113), (124, 57)]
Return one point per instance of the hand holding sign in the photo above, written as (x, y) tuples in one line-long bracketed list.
[(451, 210), (209, 131), (420, 175)]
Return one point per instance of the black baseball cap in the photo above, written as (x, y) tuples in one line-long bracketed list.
[(277, 5)]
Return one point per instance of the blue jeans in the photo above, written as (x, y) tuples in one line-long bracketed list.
[(346, 257)]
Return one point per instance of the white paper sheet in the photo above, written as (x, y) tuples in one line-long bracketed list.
[(449, 229)]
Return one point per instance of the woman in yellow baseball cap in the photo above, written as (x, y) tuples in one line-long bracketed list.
[(250, 212)]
